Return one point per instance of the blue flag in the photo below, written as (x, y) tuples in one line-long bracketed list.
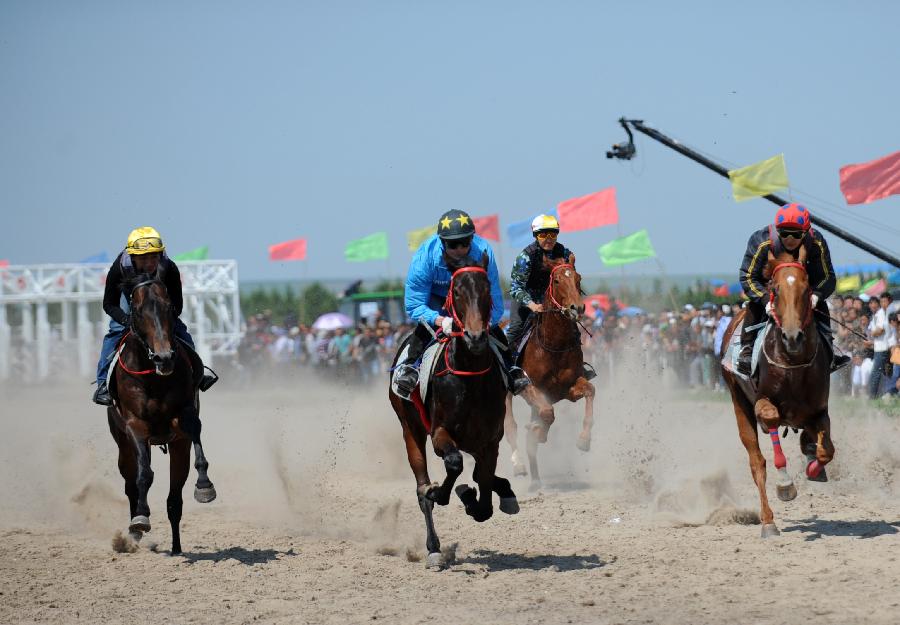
[(101, 257), (519, 233)]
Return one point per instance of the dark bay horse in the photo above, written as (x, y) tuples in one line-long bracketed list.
[(792, 388), (156, 403), (553, 359), (463, 409)]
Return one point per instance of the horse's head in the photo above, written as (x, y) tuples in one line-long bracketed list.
[(469, 302), (564, 292), (791, 298), (152, 322)]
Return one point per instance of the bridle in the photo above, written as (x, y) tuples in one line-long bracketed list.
[(557, 307), (774, 314), (133, 331), (450, 306)]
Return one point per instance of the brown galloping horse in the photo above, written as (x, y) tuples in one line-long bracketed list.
[(156, 403), (553, 359), (793, 386), (463, 409)]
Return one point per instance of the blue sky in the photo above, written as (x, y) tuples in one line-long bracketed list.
[(237, 125)]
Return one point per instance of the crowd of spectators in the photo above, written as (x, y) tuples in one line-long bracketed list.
[(684, 345)]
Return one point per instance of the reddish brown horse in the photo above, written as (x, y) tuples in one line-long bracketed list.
[(156, 403), (462, 411), (553, 359), (792, 388)]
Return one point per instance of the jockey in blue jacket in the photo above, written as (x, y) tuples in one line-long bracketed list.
[(427, 284)]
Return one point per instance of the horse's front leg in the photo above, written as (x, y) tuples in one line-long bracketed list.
[(819, 451), (511, 433), (746, 424), (138, 435), (767, 414), (204, 491), (445, 447), (481, 508), (584, 389)]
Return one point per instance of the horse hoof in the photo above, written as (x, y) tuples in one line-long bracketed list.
[(787, 492), (519, 470), (480, 515), (139, 524), (584, 444), (435, 561), (535, 486), (135, 536), (769, 530), (815, 472), (467, 495), (509, 505), (205, 495)]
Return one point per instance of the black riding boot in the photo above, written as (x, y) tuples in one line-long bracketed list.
[(838, 361), (101, 395), (406, 375), (518, 379), (209, 378)]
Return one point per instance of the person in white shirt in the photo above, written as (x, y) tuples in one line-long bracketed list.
[(880, 333)]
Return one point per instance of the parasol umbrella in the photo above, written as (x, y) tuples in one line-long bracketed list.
[(332, 321)]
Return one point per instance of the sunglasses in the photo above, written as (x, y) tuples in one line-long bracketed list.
[(791, 234), (546, 235), (151, 243), (458, 243)]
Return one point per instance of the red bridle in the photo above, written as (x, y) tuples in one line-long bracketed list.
[(772, 294), (550, 295), (451, 307)]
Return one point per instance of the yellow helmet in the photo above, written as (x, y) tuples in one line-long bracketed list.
[(144, 240), (542, 223)]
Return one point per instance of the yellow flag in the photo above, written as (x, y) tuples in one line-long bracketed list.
[(762, 178), (848, 284), (415, 238)]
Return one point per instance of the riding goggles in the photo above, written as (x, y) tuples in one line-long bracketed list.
[(147, 244), (547, 234), (458, 243), (791, 234)]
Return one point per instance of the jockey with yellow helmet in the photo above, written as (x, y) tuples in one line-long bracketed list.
[(790, 230), (144, 253), (427, 283), (529, 280)]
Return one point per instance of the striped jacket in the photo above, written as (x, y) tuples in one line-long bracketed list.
[(818, 263)]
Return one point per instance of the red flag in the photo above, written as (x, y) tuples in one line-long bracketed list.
[(289, 250), (721, 291), (866, 182), (877, 289), (4, 262), (591, 211), (487, 227)]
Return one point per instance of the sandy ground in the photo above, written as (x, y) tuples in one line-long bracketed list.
[(317, 521)]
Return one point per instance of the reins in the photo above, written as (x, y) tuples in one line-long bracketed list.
[(557, 308), (122, 362), (774, 315)]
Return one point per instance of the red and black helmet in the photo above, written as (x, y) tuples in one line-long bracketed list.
[(793, 215)]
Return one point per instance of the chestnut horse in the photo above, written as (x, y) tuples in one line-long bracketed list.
[(793, 384), (553, 359), (156, 403), (463, 409)]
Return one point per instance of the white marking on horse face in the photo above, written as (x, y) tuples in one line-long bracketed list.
[(567, 273), (791, 280)]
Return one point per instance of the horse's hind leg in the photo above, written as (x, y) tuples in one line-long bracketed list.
[(482, 508), (583, 388), (511, 433), (204, 491), (819, 451), (508, 502), (179, 467), (531, 446), (445, 447)]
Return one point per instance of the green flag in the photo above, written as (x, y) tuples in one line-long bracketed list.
[(201, 253), (626, 250), (372, 247)]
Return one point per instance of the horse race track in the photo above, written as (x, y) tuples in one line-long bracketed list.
[(317, 521)]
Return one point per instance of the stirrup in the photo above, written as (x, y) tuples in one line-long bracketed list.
[(209, 378), (838, 362), (588, 371), (406, 377), (519, 380), (102, 396)]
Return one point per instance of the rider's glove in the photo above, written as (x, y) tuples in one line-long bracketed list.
[(447, 325), (769, 307), (814, 299)]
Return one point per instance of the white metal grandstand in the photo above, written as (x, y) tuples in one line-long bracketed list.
[(32, 346)]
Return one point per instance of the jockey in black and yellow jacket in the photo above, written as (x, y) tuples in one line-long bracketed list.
[(791, 229)]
